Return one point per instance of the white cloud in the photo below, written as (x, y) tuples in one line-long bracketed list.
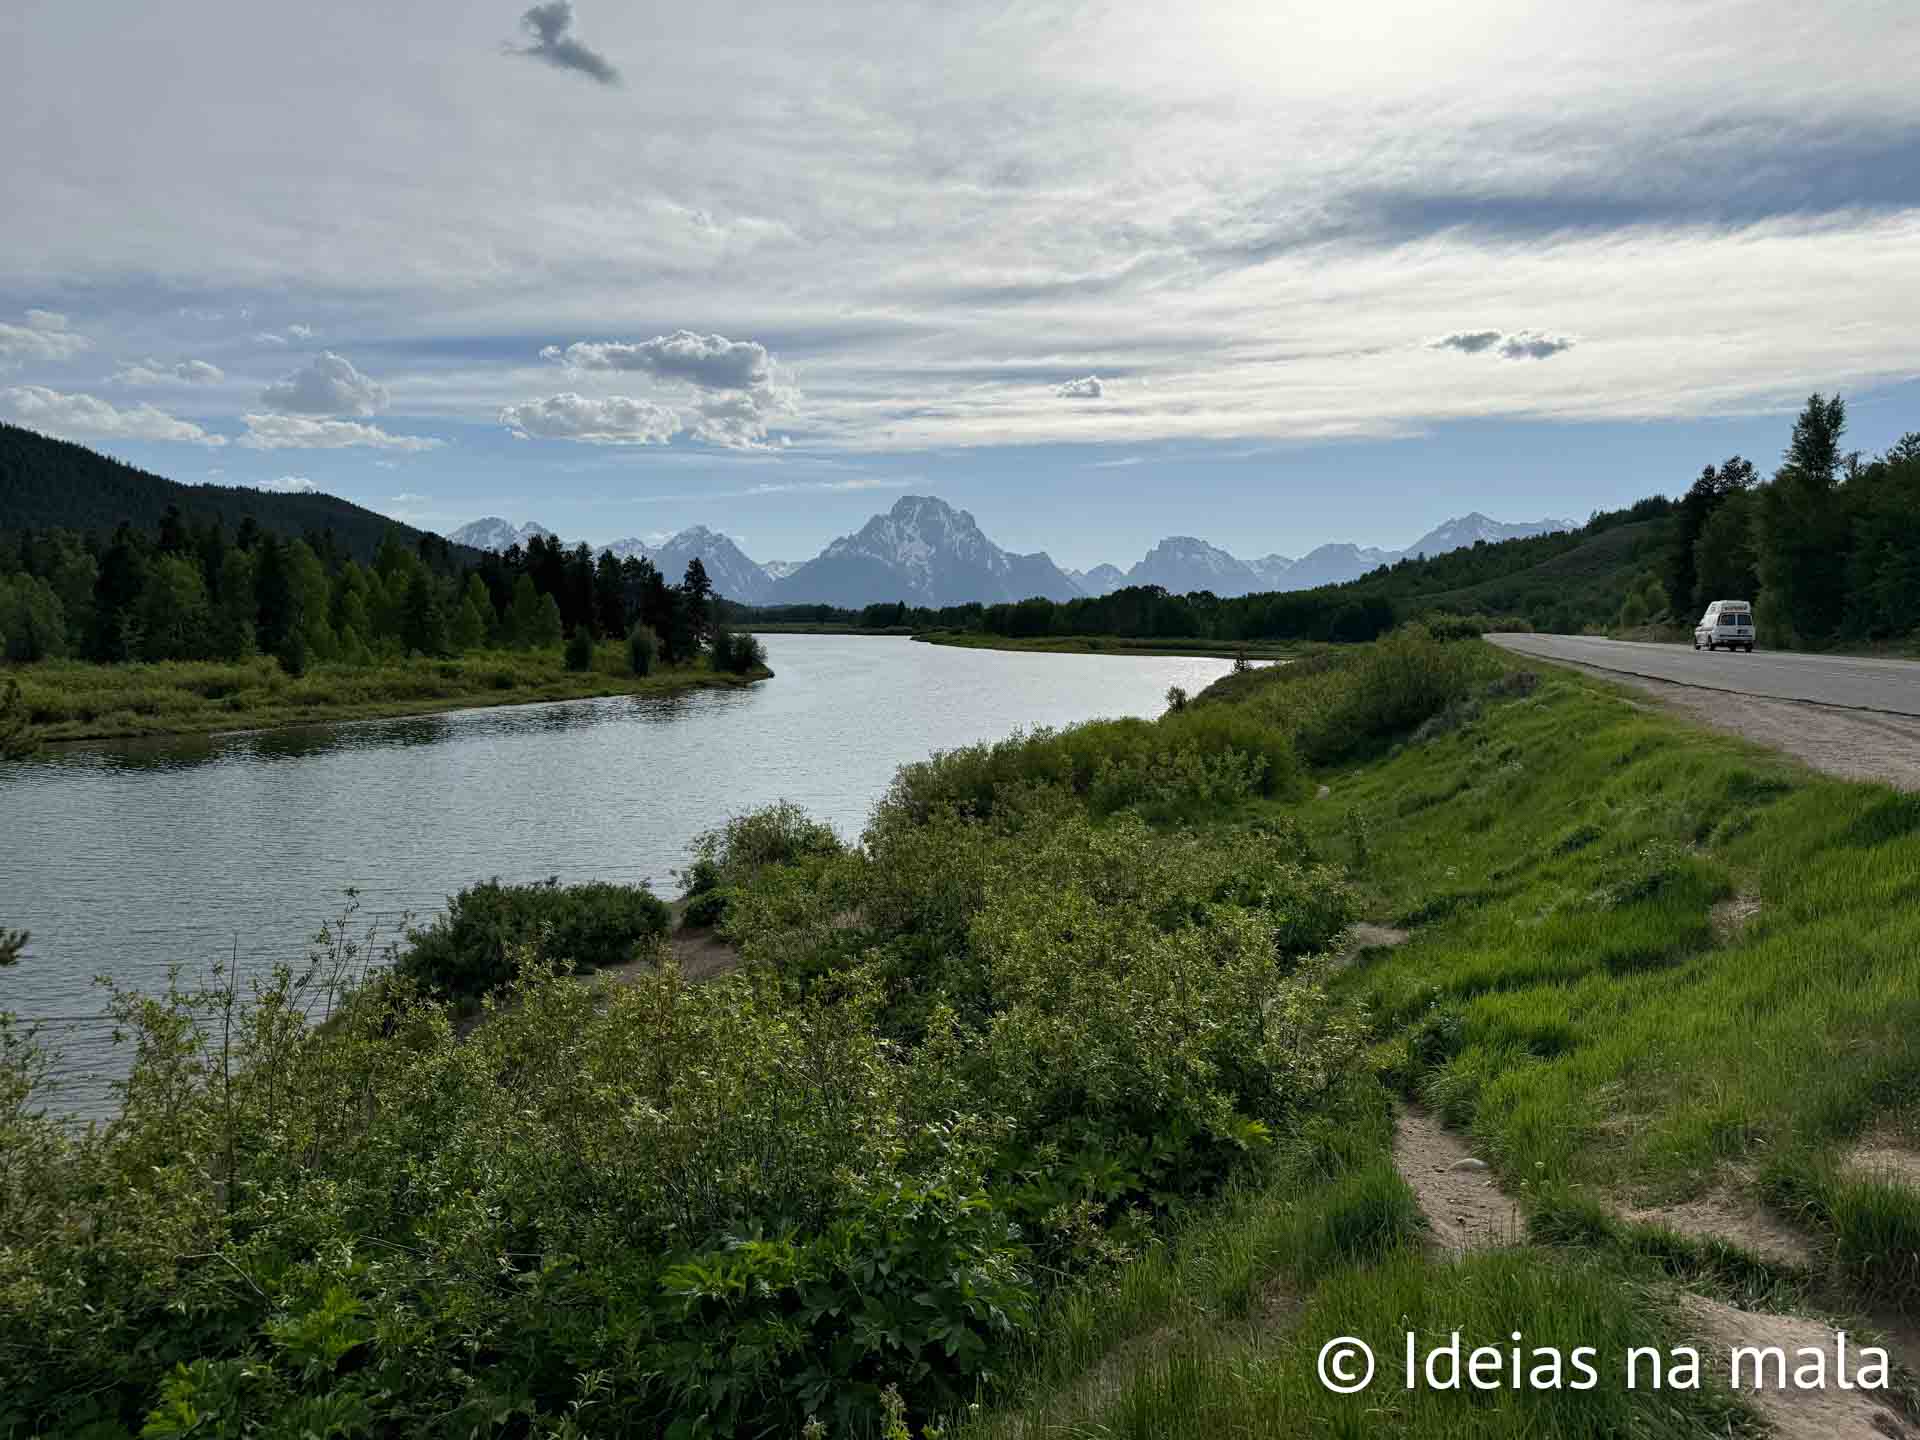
[(614, 420), (289, 485), (712, 362), (296, 432), (158, 372), (328, 385), (407, 497), (39, 408), (1086, 388), (44, 339), (299, 332)]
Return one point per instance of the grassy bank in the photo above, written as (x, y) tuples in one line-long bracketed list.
[(1656, 975), (1048, 1099), (1121, 645), (73, 700)]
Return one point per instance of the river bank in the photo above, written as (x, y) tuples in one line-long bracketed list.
[(1112, 1071), (1121, 645), (70, 700)]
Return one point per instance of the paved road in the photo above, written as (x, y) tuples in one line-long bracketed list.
[(1889, 686)]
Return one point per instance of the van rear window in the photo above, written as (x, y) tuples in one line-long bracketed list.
[(1731, 619)]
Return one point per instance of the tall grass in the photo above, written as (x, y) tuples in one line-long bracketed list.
[(71, 700)]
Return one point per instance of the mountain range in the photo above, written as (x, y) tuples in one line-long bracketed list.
[(925, 552)]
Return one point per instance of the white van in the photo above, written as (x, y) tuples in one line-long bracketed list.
[(1728, 623)]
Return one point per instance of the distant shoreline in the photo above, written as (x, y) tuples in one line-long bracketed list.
[(76, 704), (1119, 645)]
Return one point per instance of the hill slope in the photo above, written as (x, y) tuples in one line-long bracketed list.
[(54, 484)]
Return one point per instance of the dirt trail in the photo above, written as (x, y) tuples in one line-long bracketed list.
[(1826, 1413), (1734, 1218), (1456, 1191)]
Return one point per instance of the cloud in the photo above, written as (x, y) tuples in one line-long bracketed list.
[(288, 336), (615, 420), (734, 378), (1468, 342), (1521, 345), (327, 386), (1531, 345), (44, 338), (548, 25), (711, 362), (1121, 464), (294, 432), (39, 408), (288, 485), (158, 372), (407, 497), (299, 332), (1088, 387)]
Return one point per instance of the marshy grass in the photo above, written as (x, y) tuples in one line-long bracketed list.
[(74, 700)]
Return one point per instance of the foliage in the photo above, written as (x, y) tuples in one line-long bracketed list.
[(477, 945), (579, 649), (17, 740), (643, 649), (737, 652)]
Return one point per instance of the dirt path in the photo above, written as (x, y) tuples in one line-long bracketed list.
[(1465, 1208), (1852, 744)]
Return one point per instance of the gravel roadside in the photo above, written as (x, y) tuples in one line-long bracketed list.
[(1853, 744)]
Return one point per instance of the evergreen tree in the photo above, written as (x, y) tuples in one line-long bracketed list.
[(546, 630), (123, 575), (423, 626), (32, 625), (609, 597), (469, 627), (523, 615), (276, 598), (235, 621), (1803, 529), (176, 619)]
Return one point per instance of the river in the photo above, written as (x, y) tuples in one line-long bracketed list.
[(127, 859)]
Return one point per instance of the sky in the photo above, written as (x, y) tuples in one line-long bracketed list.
[(1272, 274)]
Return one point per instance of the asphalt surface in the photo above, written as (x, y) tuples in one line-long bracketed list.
[(1891, 687)]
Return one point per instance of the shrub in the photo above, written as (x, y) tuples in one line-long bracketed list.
[(643, 649), (579, 653), (737, 654), (478, 944), (776, 834)]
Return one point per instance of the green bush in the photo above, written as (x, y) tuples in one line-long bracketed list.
[(736, 653), (478, 944), (579, 651), (643, 650)]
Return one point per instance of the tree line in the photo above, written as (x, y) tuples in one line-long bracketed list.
[(190, 591)]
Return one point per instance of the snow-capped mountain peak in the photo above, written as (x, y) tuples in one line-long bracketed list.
[(493, 533)]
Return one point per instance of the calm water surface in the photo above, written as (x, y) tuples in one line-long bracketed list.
[(125, 859)]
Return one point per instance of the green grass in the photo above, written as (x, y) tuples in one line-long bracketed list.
[(72, 700), (1123, 645), (1570, 1000)]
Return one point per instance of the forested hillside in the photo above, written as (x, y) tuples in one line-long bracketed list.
[(48, 484)]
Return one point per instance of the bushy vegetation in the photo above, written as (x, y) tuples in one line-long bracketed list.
[(478, 944), (998, 1047), (736, 652), (1045, 1094)]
